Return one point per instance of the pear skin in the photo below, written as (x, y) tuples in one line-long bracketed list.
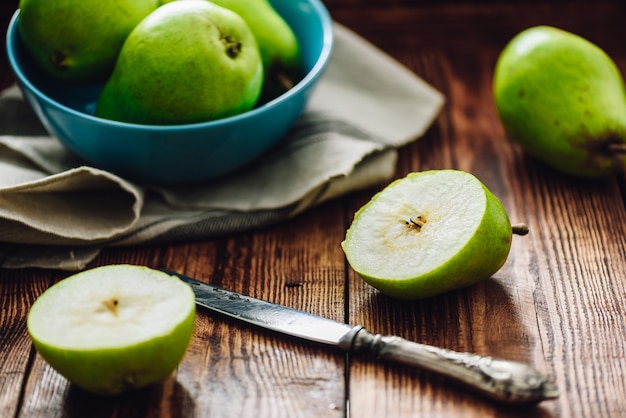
[(563, 99), (188, 61), (277, 42), (78, 40)]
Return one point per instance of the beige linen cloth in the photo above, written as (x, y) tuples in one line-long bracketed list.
[(58, 212)]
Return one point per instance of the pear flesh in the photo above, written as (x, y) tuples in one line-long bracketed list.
[(114, 328), (188, 61), (429, 233), (78, 40), (563, 100)]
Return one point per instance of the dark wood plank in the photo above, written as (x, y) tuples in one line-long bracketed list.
[(295, 264), (560, 282), (16, 354), (556, 304), (231, 369), (406, 25)]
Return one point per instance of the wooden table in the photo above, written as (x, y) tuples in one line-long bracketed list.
[(558, 303)]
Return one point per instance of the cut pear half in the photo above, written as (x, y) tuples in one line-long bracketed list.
[(114, 328), (429, 233)]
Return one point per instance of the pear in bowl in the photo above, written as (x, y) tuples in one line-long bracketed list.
[(187, 62), (78, 40)]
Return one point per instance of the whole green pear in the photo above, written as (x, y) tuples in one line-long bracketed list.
[(563, 100), (78, 40), (277, 42), (188, 61)]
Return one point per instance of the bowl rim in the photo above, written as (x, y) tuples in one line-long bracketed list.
[(304, 83)]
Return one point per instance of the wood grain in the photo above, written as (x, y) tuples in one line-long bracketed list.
[(556, 304), (539, 305)]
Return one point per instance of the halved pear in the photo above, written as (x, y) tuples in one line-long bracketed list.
[(114, 328), (429, 233)]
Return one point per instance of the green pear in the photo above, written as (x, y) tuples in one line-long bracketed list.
[(429, 233), (114, 328), (277, 42), (563, 100), (78, 40), (188, 61)]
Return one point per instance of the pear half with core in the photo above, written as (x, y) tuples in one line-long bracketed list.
[(563, 100), (188, 61), (429, 233), (114, 328), (78, 40)]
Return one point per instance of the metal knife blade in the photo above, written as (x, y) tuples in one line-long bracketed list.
[(268, 315), (502, 380)]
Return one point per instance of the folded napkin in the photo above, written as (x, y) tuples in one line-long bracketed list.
[(58, 212)]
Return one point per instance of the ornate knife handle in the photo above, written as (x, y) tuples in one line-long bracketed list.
[(505, 381)]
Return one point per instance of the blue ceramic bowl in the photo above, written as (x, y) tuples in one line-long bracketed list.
[(169, 154)]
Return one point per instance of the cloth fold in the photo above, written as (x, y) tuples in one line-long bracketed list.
[(58, 212)]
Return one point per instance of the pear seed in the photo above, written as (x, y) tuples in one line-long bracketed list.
[(111, 305), (417, 224)]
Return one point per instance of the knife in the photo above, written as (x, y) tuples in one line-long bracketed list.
[(501, 380)]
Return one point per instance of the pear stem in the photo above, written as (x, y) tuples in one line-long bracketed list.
[(615, 148), (519, 229), (284, 81)]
